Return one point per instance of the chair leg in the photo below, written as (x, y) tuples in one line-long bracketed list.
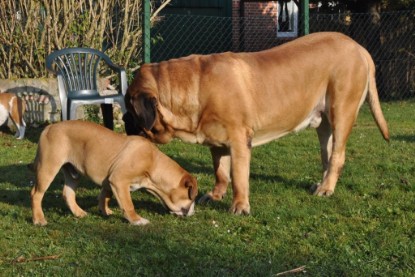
[(65, 110), (107, 116), (72, 111), (122, 106)]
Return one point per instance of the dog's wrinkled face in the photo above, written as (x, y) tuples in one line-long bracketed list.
[(179, 199), (144, 119)]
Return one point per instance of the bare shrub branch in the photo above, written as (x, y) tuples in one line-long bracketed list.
[(30, 30)]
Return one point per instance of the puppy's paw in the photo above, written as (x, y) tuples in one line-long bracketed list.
[(40, 222), (320, 190), (80, 213), (240, 208), (141, 221)]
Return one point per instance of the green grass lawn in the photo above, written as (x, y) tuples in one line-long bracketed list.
[(366, 228)]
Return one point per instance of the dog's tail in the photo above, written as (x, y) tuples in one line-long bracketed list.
[(373, 99)]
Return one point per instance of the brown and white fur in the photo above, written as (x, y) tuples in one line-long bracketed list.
[(13, 107)]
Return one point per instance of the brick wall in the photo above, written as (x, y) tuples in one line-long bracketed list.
[(257, 30)]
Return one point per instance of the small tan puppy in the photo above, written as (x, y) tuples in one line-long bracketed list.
[(115, 161), (13, 107)]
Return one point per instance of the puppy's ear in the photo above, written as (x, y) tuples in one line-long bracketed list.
[(191, 184), (145, 107)]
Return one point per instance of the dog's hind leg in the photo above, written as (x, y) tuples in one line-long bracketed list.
[(104, 199), (71, 182), (342, 118), (222, 166), (44, 177), (21, 129), (325, 137), (16, 115), (336, 162)]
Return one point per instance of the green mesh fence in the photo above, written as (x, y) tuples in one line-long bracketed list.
[(390, 39)]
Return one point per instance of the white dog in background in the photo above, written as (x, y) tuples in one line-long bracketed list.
[(13, 107)]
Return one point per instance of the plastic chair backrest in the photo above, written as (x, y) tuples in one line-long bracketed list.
[(78, 67)]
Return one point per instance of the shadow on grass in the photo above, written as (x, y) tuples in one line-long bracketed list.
[(200, 167), (18, 175), (32, 133), (194, 166), (277, 180), (53, 200), (160, 252), (160, 249), (18, 181), (5, 130), (407, 138)]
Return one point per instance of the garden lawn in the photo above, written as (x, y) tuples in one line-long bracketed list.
[(366, 228)]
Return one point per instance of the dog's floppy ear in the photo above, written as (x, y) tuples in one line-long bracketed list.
[(145, 107), (191, 184), (130, 124)]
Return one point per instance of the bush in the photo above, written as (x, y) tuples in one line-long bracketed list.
[(30, 30)]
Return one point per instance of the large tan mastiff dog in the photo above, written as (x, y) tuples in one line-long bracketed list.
[(234, 101), (117, 162)]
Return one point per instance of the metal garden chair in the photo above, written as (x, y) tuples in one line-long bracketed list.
[(77, 70)]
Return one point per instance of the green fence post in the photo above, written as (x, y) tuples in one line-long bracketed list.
[(306, 17), (146, 31)]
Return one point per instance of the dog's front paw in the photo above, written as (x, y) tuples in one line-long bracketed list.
[(210, 196), (320, 190), (205, 199), (141, 221), (240, 208), (40, 222), (80, 213)]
